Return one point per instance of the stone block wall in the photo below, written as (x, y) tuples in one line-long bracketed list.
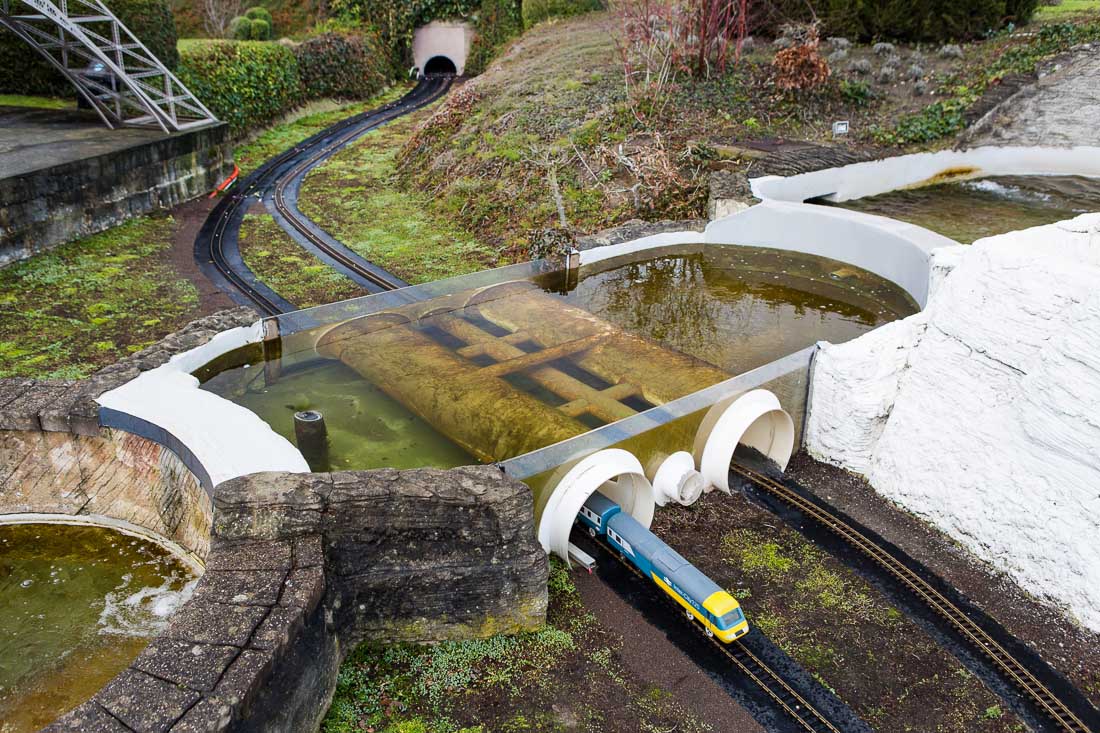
[(303, 567), (42, 209)]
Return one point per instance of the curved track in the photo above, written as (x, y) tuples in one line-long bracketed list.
[(779, 691), (217, 247), (1066, 715)]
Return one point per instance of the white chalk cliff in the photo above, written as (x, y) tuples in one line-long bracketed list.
[(981, 414)]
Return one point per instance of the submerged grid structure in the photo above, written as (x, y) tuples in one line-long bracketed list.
[(110, 68)]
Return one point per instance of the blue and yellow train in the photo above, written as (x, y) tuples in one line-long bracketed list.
[(702, 599)]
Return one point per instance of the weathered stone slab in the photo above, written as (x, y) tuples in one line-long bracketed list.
[(204, 622), (22, 412), (194, 666), (243, 587), (144, 703), (87, 718), (246, 555)]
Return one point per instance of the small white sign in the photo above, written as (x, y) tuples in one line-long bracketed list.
[(840, 127)]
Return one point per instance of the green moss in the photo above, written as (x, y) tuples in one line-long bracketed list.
[(22, 100), (83, 305), (356, 197), (288, 269)]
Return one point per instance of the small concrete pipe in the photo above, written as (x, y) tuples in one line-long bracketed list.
[(311, 434), (754, 419), (677, 480)]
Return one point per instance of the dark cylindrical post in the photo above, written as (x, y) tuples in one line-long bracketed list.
[(312, 437)]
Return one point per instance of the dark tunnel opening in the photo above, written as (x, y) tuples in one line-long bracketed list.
[(437, 65)]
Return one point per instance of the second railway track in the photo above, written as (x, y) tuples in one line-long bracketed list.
[(1039, 694)]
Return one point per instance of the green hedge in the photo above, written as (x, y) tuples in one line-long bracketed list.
[(337, 65), (498, 21), (246, 83), (23, 71), (535, 11), (910, 20)]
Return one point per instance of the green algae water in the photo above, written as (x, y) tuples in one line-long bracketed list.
[(970, 210), (77, 604), (470, 363)]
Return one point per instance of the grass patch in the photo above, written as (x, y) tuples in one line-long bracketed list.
[(81, 306), (356, 196), (304, 122), (289, 270), (1067, 9), (563, 677), (22, 100)]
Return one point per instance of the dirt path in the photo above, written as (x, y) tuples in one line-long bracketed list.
[(189, 219), (1061, 108)]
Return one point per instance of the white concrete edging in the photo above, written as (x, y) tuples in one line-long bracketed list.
[(920, 169), (894, 250), (226, 439)]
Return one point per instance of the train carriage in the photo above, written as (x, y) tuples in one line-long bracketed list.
[(719, 613)]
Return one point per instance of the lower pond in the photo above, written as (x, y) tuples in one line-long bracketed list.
[(77, 605), (969, 210), (494, 372)]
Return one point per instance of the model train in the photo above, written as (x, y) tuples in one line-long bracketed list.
[(719, 613)]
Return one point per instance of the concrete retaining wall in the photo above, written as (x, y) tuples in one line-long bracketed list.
[(47, 207), (303, 567)]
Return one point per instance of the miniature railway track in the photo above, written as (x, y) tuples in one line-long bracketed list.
[(785, 697), (1021, 677), (217, 246)]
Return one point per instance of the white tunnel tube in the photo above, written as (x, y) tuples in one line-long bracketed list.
[(677, 480), (614, 472), (755, 419)]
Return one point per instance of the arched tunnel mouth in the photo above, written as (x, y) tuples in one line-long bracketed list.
[(439, 66)]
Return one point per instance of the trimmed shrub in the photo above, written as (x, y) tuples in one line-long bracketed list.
[(240, 28), (246, 84), (912, 20), (498, 21), (336, 65), (260, 30), (23, 71), (259, 12), (536, 11)]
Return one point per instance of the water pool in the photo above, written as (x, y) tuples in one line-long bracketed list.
[(969, 210), (77, 605), (489, 373)]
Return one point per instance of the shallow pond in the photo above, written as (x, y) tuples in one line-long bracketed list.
[(77, 604), (490, 373), (970, 210)]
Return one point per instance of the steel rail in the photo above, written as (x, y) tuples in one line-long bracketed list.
[(299, 221), (211, 251), (1003, 660), (767, 679)]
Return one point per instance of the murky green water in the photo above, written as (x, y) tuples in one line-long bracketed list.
[(77, 604), (970, 210), (734, 308)]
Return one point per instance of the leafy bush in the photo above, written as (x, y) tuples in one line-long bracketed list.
[(240, 28), (243, 83), (915, 20), (259, 30), (288, 17), (23, 71), (259, 12), (801, 67), (498, 21), (536, 11), (336, 65)]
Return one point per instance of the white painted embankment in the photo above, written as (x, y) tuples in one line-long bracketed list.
[(921, 169), (981, 414), (226, 439)]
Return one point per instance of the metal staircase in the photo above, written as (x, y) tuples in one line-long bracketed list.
[(113, 71)]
